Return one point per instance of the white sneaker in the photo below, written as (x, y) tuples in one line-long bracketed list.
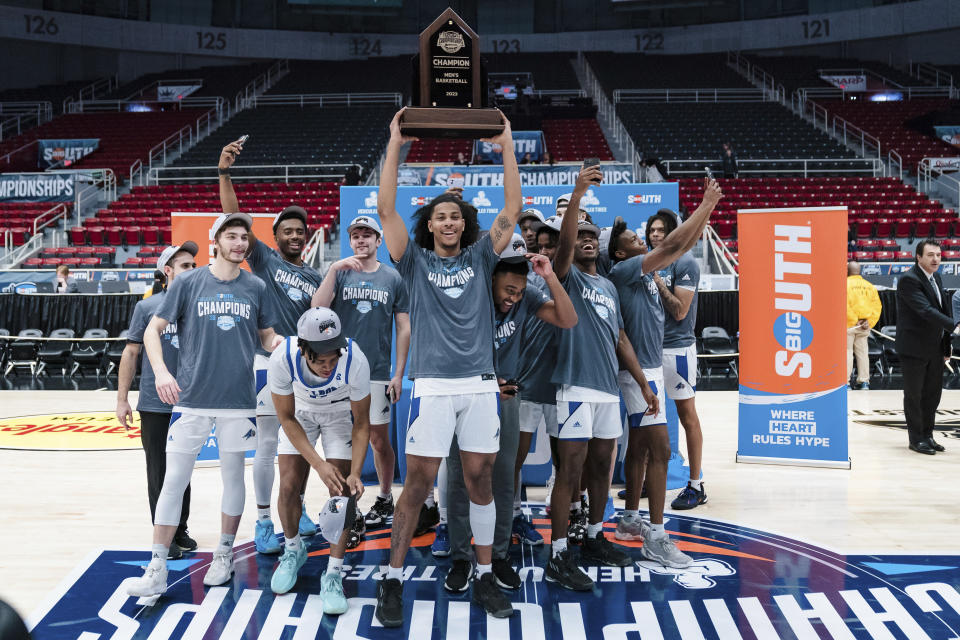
[(153, 582), (550, 482), (636, 529), (663, 551), (221, 568)]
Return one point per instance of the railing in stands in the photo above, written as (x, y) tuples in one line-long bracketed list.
[(895, 164), (934, 181), (606, 110), (328, 99), (17, 117), (100, 189), (156, 84), (49, 217), (273, 172), (21, 253), (832, 93), (726, 262), (689, 95), (12, 126), (260, 85), (7, 159), (313, 251), (807, 109), (853, 136), (182, 140), (92, 90), (801, 166), (190, 102), (772, 92), (932, 75)]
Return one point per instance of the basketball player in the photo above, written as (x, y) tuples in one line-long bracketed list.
[(320, 381), (514, 301), (530, 221), (290, 286), (643, 316), (677, 286), (220, 311), (448, 272), (588, 400), (155, 414), (369, 297)]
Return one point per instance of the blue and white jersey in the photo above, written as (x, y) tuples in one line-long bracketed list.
[(288, 374)]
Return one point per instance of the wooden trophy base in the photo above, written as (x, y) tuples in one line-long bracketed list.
[(449, 122)]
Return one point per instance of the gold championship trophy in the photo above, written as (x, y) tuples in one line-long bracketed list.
[(449, 88)]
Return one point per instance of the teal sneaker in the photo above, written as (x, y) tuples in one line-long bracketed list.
[(285, 575), (331, 590), (307, 527), (264, 537)]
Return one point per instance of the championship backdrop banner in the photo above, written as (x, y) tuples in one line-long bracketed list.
[(36, 187), (949, 134), (523, 142), (635, 202), (793, 374), (196, 226), (485, 175), (64, 152)]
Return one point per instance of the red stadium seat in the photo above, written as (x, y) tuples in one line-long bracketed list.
[(904, 256), (115, 236), (78, 235)]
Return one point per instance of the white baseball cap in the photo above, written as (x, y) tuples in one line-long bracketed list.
[(531, 213), (227, 217), (565, 198), (516, 251), (320, 328), (189, 246), (338, 514), (365, 221), (553, 223)]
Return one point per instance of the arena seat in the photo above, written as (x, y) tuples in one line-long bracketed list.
[(641, 71), (217, 80), (794, 72)]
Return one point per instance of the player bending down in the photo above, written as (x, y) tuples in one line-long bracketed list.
[(320, 382)]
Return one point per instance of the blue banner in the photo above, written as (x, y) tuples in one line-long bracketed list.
[(36, 187), (635, 202), (524, 142), (63, 153), (949, 134), (486, 175)]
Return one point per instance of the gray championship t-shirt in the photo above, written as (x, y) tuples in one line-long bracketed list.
[(509, 332), (366, 304), (289, 288), (451, 310), (217, 324), (148, 399), (642, 310), (587, 353), (683, 274), (538, 354)]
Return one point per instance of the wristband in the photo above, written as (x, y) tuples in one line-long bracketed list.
[(223, 172)]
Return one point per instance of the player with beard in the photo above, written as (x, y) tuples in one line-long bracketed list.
[(588, 400), (678, 292), (369, 297), (221, 316), (643, 316), (448, 272), (515, 300), (290, 286)]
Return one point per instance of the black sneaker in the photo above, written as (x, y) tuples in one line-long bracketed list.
[(356, 532), (504, 574), (428, 519), (389, 609), (183, 540), (487, 594), (601, 552), (458, 578), (563, 570), (577, 529), (174, 552), (379, 512)]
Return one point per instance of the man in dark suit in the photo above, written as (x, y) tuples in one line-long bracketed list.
[(924, 326)]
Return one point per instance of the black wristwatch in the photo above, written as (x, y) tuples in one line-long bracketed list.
[(223, 172)]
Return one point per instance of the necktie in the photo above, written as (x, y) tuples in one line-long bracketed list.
[(936, 290)]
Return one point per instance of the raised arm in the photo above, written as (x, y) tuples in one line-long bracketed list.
[(502, 229), (684, 237), (394, 230), (587, 177), (228, 197), (328, 287)]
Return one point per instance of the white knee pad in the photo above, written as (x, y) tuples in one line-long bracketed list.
[(234, 492), (483, 522), (175, 481), (268, 434)]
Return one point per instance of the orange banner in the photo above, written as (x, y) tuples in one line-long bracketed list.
[(793, 337), (196, 226)]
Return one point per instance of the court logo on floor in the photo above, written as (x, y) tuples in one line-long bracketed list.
[(743, 584), (92, 431), (947, 420)]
